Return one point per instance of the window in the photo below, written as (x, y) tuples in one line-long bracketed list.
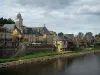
[(64, 42)]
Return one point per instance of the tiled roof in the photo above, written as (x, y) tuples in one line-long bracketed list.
[(29, 30), (36, 30), (41, 30), (9, 26), (58, 38)]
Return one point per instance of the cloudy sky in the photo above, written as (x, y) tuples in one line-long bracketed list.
[(67, 16)]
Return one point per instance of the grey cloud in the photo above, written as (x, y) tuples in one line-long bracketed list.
[(48, 4), (68, 16)]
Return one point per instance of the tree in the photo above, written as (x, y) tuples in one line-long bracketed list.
[(1, 20), (54, 33), (80, 34), (6, 21), (60, 34), (10, 21), (97, 35), (89, 34)]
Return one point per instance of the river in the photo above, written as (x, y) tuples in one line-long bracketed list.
[(83, 65)]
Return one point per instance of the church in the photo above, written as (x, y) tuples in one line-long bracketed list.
[(31, 34)]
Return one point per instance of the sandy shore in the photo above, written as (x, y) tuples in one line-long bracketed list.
[(43, 59)]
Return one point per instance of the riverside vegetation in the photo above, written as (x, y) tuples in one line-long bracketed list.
[(42, 54)]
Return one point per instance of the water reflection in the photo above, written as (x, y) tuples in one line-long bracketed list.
[(85, 65)]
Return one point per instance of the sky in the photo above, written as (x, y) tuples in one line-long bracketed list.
[(67, 16)]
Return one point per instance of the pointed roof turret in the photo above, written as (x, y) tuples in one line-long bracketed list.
[(19, 15), (44, 25)]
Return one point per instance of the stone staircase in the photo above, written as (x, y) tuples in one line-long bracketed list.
[(20, 51)]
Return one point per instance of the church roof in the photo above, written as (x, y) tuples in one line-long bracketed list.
[(41, 30), (36, 30), (29, 30)]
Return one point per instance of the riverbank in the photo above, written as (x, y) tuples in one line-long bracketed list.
[(46, 58)]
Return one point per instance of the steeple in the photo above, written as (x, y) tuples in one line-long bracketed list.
[(19, 16), (19, 21), (44, 25)]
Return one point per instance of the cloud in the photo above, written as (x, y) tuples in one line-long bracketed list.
[(47, 4), (89, 10), (68, 16)]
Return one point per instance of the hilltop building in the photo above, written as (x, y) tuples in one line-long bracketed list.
[(31, 34)]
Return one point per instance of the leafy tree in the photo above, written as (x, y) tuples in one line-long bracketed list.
[(97, 35), (10, 21), (1, 20), (80, 34), (89, 34), (54, 33), (6, 21), (60, 34)]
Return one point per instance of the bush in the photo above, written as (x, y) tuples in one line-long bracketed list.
[(97, 45)]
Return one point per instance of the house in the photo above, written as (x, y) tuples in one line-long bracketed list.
[(5, 36), (69, 36), (60, 43)]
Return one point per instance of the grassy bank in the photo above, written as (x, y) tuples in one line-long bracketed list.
[(42, 54), (35, 55)]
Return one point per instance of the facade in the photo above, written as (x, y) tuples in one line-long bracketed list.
[(4, 34), (38, 34), (31, 34), (60, 43)]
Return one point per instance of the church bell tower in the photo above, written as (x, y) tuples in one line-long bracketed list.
[(19, 22)]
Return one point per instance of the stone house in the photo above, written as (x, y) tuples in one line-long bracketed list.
[(5, 36), (60, 43)]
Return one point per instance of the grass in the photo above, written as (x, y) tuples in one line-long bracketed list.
[(35, 55), (42, 54)]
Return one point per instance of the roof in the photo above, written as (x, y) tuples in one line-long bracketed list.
[(36, 30), (69, 35), (41, 30), (9, 26), (29, 30), (58, 38)]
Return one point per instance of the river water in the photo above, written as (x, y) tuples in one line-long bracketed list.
[(83, 65)]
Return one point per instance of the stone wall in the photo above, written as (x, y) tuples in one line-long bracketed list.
[(9, 51)]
